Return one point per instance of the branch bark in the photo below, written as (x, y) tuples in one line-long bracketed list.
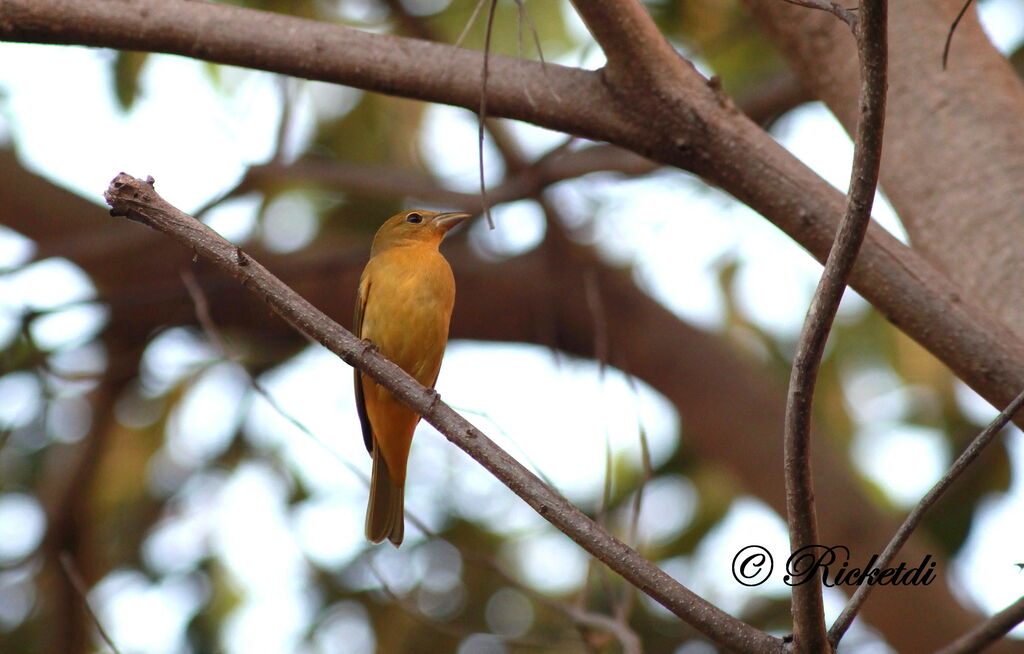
[(988, 631), (808, 607), (957, 196), (138, 200), (730, 406), (525, 182), (913, 519), (690, 125), (975, 346)]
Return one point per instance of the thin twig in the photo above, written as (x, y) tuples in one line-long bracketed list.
[(625, 606), (606, 488), (593, 576), (834, 8), (66, 510), (622, 632), (202, 307), (284, 124), (595, 303), (138, 200), (638, 499), (213, 332), (448, 628), (469, 23), (988, 631), (911, 522), (628, 639), (952, 28), (484, 206), (67, 564), (486, 200), (571, 611), (359, 473), (579, 616), (524, 13), (523, 453), (808, 608), (526, 181)]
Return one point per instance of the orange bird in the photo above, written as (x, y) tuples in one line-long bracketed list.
[(405, 301)]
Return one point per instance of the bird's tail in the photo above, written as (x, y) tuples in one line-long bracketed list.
[(385, 515)]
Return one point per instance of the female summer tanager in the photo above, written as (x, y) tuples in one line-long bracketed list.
[(405, 301)]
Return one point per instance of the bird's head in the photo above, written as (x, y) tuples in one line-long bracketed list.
[(415, 227)]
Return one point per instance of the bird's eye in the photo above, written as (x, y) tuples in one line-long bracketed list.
[(414, 218)]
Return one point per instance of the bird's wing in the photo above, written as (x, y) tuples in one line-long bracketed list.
[(364, 419)]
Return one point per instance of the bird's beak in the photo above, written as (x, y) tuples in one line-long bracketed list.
[(446, 221)]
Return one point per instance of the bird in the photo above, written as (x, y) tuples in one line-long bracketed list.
[(403, 308)]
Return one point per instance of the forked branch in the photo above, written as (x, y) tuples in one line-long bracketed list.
[(702, 132), (137, 200)]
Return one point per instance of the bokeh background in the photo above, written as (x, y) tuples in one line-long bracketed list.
[(206, 477)]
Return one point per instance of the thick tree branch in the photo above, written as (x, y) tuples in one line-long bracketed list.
[(139, 201), (912, 520), (808, 608), (689, 125), (546, 94), (957, 197)]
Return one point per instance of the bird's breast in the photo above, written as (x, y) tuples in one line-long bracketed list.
[(409, 305)]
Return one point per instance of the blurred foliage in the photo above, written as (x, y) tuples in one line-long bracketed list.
[(128, 67), (722, 34), (519, 27), (123, 509), (378, 130)]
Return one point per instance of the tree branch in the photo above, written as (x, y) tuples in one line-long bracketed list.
[(808, 608), (988, 631), (527, 298), (546, 94), (525, 182), (834, 8), (958, 197), (138, 201), (636, 50), (911, 522), (67, 564), (688, 125)]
